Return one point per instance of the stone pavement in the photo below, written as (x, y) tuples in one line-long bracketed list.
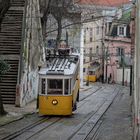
[(17, 113), (117, 121)]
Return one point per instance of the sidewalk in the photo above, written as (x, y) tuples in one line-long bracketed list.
[(17, 113)]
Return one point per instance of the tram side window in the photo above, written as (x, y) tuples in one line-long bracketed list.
[(66, 87), (43, 83), (55, 86)]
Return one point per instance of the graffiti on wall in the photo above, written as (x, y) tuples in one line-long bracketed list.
[(29, 87)]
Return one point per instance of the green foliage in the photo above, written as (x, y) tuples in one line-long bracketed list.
[(4, 67)]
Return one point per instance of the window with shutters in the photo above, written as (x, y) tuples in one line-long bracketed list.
[(120, 51), (84, 35), (97, 30), (91, 34), (122, 30)]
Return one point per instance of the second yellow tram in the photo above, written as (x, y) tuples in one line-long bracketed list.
[(93, 74)]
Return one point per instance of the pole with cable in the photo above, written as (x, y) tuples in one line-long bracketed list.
[(103, 50), (81, 55)]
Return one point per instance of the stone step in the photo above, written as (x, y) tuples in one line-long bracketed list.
[(10, 23), (5, 95), (8, 101), (13, 18), (4, 35), (8, 43), (9, 47), (8, 76), (10, 33), (14, 12), (10, 38), (8, 84), (2, 52)]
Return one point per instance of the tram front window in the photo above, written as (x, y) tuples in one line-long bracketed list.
[(91, 72), (55, 86)]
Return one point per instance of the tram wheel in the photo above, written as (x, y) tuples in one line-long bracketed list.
[(74, 107), (77, 96)]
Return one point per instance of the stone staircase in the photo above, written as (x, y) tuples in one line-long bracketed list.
[(10, 45)]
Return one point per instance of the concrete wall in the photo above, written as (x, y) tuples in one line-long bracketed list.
[(32, 53)]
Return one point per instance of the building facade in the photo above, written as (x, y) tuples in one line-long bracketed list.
[(92, 44), (118, 49)]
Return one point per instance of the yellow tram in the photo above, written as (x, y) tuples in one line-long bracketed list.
[(93, 74), (59, 85)]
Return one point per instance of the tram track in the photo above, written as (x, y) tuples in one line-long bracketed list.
[(81, 103), (29, 128), (91, 125), (90, 93), (17, 133), (93, 135)]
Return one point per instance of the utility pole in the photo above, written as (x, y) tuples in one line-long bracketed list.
[(81, 55), (133, 24), (131, 78), (122, 64), (106, 58), (106, 71), (103, 50)]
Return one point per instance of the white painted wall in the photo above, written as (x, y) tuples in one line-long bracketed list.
[(33, 54), (126, 75)]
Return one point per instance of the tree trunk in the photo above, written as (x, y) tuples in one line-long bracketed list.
[(2, 111), (44, 29), (59, 31)]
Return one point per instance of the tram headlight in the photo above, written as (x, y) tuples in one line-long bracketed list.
[(54, 102)]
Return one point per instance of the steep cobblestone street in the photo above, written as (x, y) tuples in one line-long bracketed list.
[(104, 113)]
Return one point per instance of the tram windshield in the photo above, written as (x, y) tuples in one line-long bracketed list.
[(55, 86), (91, 72)]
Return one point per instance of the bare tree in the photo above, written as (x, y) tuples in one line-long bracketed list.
[(44, 7), (4, 5), (59, 9)]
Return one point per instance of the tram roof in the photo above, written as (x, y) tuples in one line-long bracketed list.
[(60, 65)]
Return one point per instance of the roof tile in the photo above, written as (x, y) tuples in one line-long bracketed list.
[(114, 3)]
